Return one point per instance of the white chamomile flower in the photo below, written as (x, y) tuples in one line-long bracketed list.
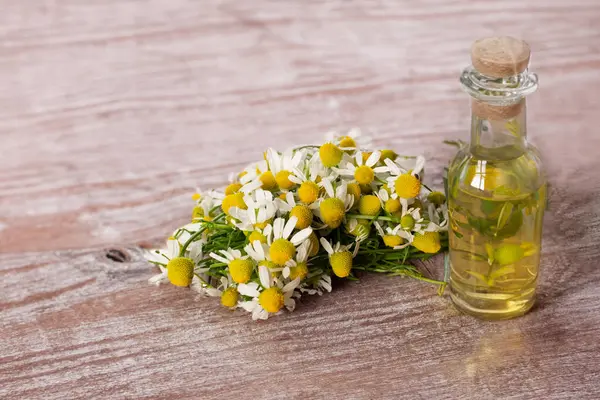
[(303, 212), (403, 182), (258, 176), (363, 172), (353, 139), (358, 230), (241, 267), (333, 208), (283, 165), (396, 238), (298, 266), (161, 258), (270, 298), (411, 219), (261, 208), (340, 257), (283, 248)]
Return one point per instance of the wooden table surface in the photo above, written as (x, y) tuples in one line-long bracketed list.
[(113, 111)]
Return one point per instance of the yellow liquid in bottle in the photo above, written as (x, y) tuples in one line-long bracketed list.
[(496, 205)]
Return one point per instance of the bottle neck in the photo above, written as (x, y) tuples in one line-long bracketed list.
[(498, 131)]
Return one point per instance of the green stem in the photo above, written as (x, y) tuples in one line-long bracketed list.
[(190, 240)]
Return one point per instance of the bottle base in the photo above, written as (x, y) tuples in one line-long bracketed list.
[(493, 309)]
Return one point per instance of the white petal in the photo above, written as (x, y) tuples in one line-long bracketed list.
[(286, 272), (290, 304), (248, 305), (289, 227), (289, 197), (265, 276), (247, 289), (268, 230), (379, 229), (394, 168), (172, 248), (158, 279), (326, 245), (381, 170), (291, 286), (301, 236), (384, 195), (342, 191), (278, 226), (219, 258), (326, 183), (373, 158), (359, 158), (419, 165), (404, 203), (252, 186)]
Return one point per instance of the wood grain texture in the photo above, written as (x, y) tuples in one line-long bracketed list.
[(113, 111)]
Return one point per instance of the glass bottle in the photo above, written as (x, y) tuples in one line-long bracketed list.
[(496, 188)]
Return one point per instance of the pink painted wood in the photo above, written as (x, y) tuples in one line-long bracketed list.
[(113, 111)]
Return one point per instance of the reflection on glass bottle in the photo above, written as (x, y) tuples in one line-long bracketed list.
[(497, 189)]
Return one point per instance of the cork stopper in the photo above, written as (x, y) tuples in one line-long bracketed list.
[(500, 57), (496, 112)]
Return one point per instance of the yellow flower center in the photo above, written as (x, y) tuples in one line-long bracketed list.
[(366, 189), (347, 142), (180, 271), (233, 188), (354, 190), (282, 251), (196, 196), (268, 264), (256, 235), (369, 205), (508, 254), (330, 155), (393, 206), (341, 263), (389, 154), (233, 200), (282, 196), (268, 181), (283, 180), (392, 240), (407, 186), (271, 299), (197, 213), (429, 242), (229, 297), (437, 198), (332, 212), (407, 222), (241, 270), (308, 192), (262, 225), (314, 245), (299, 271), (304, 215), (364, 175)]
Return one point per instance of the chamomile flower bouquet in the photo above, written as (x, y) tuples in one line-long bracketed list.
[(287, 224)]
